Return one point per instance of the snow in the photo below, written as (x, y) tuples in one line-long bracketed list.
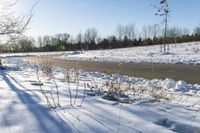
[(23, 107), (181, 85), (169, 83), (6, 55), (184, 53), (172, 85)]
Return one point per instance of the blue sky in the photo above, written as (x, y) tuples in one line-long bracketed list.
[(73, 16)]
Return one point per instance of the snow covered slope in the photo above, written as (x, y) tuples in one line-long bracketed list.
[(185, 53)]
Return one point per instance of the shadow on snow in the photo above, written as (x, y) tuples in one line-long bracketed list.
[(47, 123)]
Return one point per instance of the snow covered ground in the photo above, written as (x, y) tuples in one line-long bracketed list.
[(180, 53), (185, 53), (6, 55), (154, 106)]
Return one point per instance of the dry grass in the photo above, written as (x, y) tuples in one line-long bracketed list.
[(46, 70)]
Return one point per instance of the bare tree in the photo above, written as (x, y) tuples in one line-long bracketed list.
[(197, 30), (12, 26), (175, 31), (155, 30), (26, 44), (128, 31), (54, 41), (46, 40), (40, 42), (131, 31), (119, 32), (90, 36), (147, 32), (80, 41), (163, 11)]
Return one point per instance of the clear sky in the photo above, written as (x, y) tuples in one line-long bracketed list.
[(73, 16)]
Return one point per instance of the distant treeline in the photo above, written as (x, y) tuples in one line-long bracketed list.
[(124, 36)]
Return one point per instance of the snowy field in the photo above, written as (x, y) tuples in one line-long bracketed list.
[(180, 53), (34, 101), (185, 53), (5, 55)]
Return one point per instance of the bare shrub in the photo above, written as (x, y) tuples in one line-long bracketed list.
[(73, 77), (47, 71), (76, 81), (67, 78), (84, 93), (159, 93), (41, 89)]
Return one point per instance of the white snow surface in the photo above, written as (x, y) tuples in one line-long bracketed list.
[(23, 108), (182, 53)]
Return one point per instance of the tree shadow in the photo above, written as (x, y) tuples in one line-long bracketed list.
[(45, 120)]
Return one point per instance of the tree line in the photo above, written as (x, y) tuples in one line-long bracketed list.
[(124, 36)]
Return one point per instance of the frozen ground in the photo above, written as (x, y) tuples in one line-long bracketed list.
[(185, 53), (23, 107)]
